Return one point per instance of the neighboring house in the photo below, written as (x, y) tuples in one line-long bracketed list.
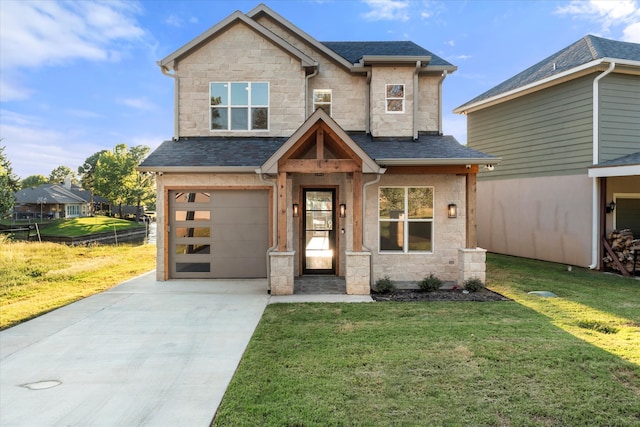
[(51, 201), (295, 157), (568, 132)]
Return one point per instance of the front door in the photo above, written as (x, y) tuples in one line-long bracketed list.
[(319, 231)]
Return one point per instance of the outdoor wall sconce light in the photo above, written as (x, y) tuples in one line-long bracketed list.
[(296, 210), (452, 210), (343, 210), (610, 207)]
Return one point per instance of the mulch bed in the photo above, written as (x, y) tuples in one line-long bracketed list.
[(413, 295)]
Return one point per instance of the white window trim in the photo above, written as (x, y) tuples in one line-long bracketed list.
[(249, 106), (330, 103), (405, 250), (386, 98), (617, 196)]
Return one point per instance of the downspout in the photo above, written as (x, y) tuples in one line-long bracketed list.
[(595, 196), (273, 184), (415, 100), (444, 76), (306, 92), (367, 106), (364, 210), (176, 102)]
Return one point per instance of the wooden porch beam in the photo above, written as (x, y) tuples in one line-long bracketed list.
[(320, 144), (281, 183), (471, 224), (357, 211), (319, 166)]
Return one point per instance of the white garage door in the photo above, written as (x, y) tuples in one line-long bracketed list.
[(218, 234)]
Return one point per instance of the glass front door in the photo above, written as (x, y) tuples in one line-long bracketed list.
[(319, 231)]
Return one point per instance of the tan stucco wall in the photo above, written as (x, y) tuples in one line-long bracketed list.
[(240, 54), (449, 234), (546, 218)]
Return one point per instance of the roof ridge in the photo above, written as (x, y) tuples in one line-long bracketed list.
[(589, 39)]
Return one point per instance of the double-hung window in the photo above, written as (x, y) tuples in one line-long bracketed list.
[(405, 217), (239, 105), (395, 98), (322, 99)]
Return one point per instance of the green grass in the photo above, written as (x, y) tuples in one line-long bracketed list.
[(74, 227), (530, 362), (39, 277)]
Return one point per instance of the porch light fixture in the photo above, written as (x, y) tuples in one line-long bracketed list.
[(343, 210), (610, 207), (296, 210), (452, 210)]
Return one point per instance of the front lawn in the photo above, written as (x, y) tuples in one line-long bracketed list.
[(532, 361), (74, 227)]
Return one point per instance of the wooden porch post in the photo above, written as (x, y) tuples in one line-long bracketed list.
[(282, 211), (357, 211), (472, 226)]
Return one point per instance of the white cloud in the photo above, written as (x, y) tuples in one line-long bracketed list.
[(387, 10), (632, 33), (10, 91), (174, 21), (38, 33), (608, 14), (137, 103)]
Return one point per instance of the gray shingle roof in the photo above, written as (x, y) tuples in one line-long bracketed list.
[(628, 160), (425, 147), (253, 152), (354, 51), (54, 193), (585, 50), (213, 151)]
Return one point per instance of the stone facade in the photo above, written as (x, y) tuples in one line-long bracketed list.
[(471, 263), (358, 276), (449, 234), (281, 273)]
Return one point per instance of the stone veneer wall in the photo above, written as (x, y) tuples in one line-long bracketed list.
[(358, 276), (449, 234), (281, 273), (471, 263), (240, 54)]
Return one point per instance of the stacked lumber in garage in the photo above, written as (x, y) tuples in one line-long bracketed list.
[(625, 248)]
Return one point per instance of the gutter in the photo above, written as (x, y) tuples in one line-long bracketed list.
[(444, 76), (198, 169), (306, 92), (367, 105), (444, 161), (273, 184), (415, 100), (176, 101), (595, 196)]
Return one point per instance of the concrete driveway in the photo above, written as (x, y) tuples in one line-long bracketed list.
[(144, 353)]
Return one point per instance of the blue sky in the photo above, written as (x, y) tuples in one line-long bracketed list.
[(77, 77)]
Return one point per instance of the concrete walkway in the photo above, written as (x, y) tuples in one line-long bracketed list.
[(144, 353)]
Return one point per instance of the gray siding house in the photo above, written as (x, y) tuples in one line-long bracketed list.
[(293, 157), (568, 132)]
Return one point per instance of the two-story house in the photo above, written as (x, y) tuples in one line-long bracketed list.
[(295, 157), (568, 132)]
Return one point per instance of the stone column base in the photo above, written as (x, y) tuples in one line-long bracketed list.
[(358, 277), (471, 263), (281, 273)]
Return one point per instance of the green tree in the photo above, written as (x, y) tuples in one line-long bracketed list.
[(33, 181), (9, 183), (88, 173), (60, 173), (117, 179)]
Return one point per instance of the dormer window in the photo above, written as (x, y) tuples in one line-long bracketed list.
[(322, 99), (395, 98), (239, 106)]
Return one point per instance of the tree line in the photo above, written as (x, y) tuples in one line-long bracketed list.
[(110, 174)]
